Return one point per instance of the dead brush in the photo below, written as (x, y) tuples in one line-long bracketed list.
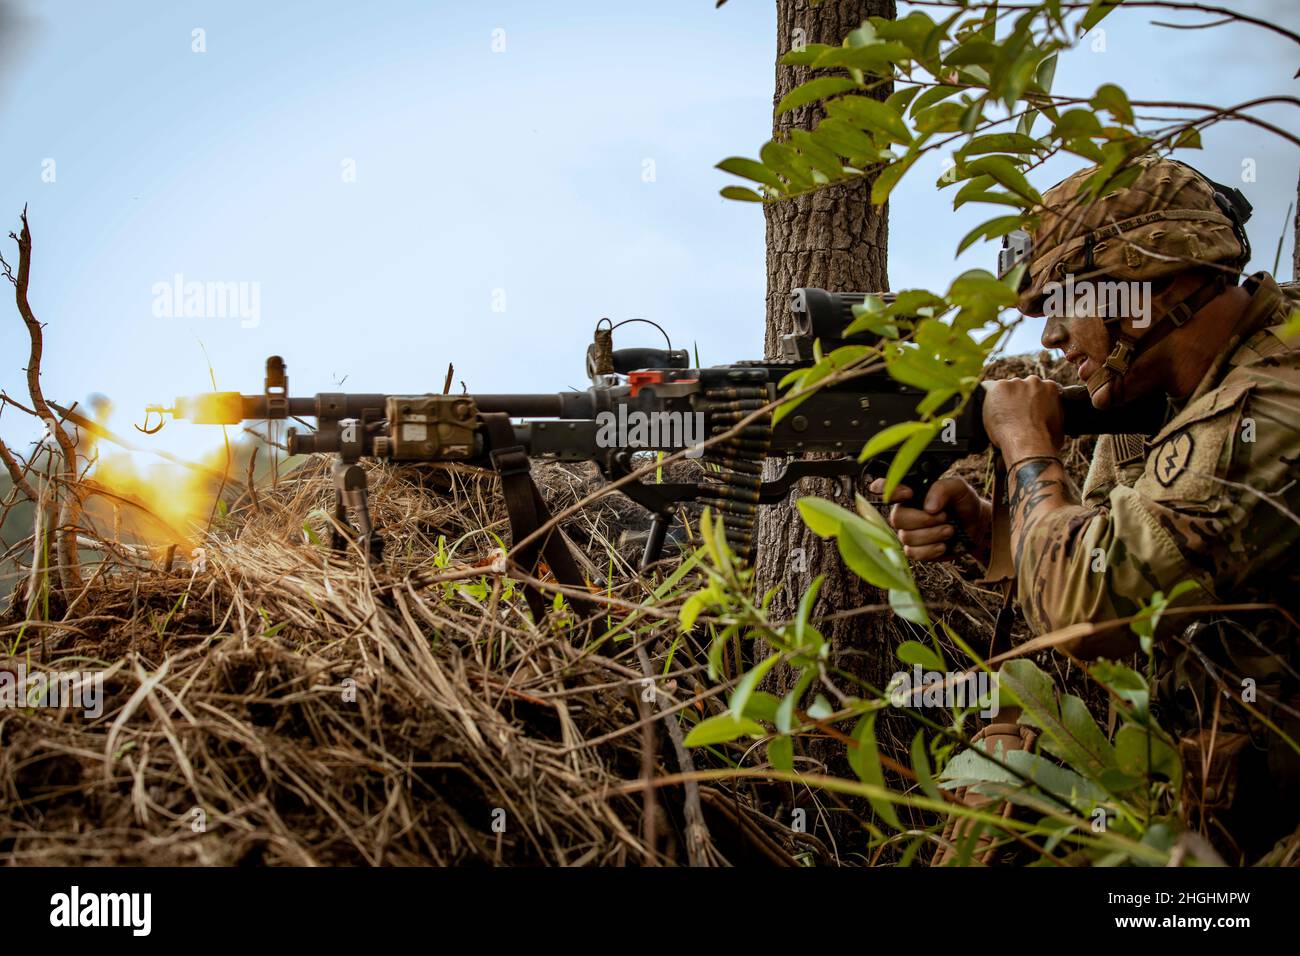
[(273, 703)]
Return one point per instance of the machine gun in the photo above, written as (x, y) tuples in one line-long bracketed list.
[(640, 400)]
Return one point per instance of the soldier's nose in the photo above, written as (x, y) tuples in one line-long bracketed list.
[(1055, 335)]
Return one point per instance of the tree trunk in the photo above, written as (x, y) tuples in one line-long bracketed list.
[(836, 240)]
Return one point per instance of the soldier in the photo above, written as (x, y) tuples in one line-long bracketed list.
[(1140, 289)]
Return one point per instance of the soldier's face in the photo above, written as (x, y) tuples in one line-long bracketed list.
[(1085, 342)]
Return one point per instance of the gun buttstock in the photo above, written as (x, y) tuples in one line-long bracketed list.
[(1142, 417)]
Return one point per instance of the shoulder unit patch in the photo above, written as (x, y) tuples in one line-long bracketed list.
[(1172, 457)]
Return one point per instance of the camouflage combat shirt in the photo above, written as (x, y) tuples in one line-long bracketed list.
[(1213, 498)]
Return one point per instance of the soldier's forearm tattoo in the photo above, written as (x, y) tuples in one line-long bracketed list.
[(1037, 485)]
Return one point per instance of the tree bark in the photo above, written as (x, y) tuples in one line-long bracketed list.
[(836, 240)]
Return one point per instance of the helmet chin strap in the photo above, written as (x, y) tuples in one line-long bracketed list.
[(1128, 346)]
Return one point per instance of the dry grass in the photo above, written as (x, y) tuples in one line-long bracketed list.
[(313, 711)]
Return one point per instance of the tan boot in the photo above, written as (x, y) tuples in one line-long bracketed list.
[(1008, 736)]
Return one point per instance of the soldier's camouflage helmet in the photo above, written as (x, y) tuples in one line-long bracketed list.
[(1169, 219)]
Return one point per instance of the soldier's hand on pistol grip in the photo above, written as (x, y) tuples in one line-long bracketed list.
[(927, 532)]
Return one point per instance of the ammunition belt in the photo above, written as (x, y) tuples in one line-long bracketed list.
[(734, 467)]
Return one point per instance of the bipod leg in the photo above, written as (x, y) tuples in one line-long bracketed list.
[(352, 499), (528, 513), (660, 522)]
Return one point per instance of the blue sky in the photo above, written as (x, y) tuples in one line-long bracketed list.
[(478, 174)]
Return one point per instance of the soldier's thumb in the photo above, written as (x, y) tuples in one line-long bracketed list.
[(947, 494), (938, 496)]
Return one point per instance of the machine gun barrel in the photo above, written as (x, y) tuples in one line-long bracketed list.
[(833, 420), (643, 400)]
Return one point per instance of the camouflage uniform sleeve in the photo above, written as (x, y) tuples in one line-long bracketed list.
[(1210, 507)]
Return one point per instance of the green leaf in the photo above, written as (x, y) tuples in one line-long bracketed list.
[(977, 285), (871, 114), (864, 544), (1069, 732), (1001, 143), (780, 753), (1146, 622), (814, 90), (914, 652), (901, 98), (972, 767), (933, 401), (875, 57), (785, 712), (846, 139), (822, 159), (1026, 123), (986, 195), (907, 604), (1045, 74), (889, 437), (750, 169), (921, 767), (1131, 750), (806, 603), (1126, 684), (933, 95), (888, 179), (913, 301), (906, 456), (846, 355), (868, 560), (975, 50), (940, 118), (1085, 147), (865, 761), (1007, 174), (913, 367), (691, 609), (1076, 123), (1054, 781), (998, 226), (721, 729), (787, 161), (762, 706), (822, 517), (807, 56), (873, 522), (1114, 100), (873, 316), (740, 193), (821, 708), (748, 684), (1096, 13), (716, 647)]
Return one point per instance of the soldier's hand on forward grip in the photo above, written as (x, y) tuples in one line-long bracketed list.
[(928, 532)]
